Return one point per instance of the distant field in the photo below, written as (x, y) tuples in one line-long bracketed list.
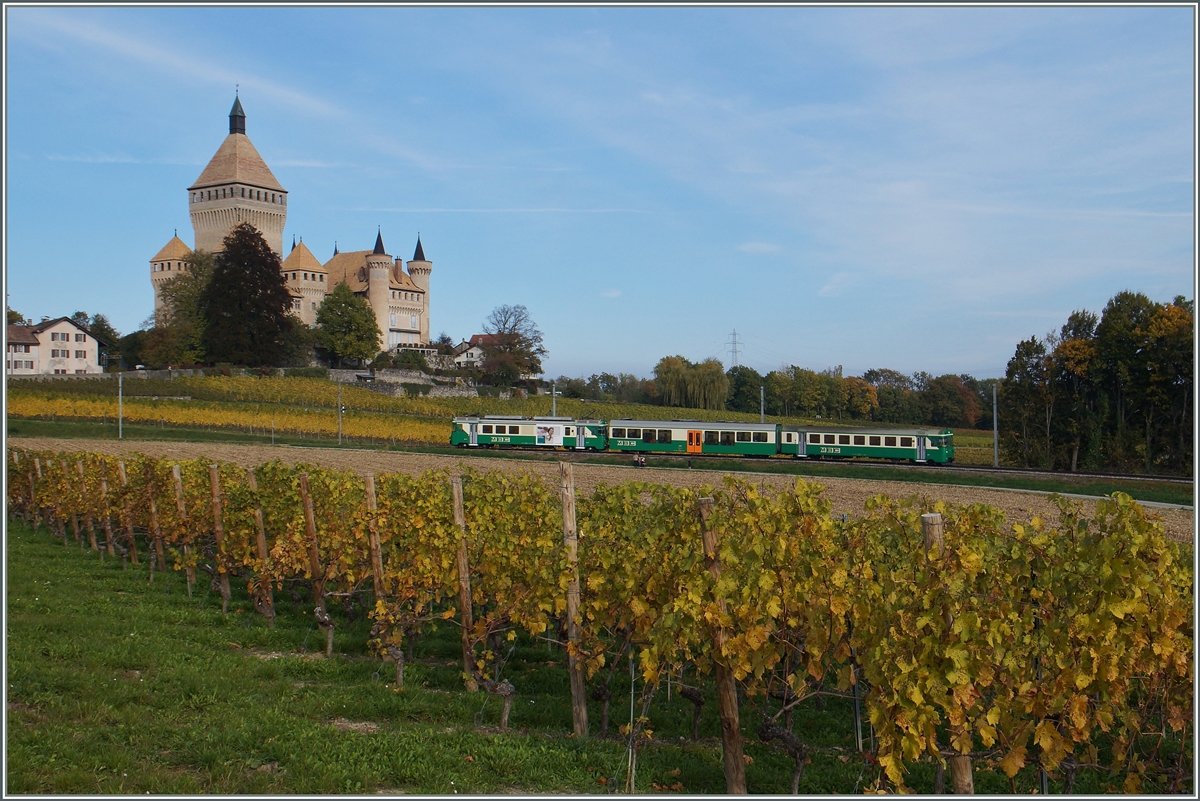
[(253, 401)]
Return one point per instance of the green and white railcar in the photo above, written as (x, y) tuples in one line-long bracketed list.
[(511, 431), (693, 436), (916, 445)]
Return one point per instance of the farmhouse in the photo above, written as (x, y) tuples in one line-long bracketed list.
[(52, 347), (237, 186)]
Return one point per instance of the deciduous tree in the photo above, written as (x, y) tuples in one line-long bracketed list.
[(346, 326), (246, 306), (514, 347)]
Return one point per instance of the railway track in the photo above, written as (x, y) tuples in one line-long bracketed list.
[(925, 468)]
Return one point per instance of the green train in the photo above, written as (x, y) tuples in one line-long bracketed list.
[(720, 438)]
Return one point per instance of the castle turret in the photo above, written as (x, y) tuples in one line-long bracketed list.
[(419, 269), (236, 187), (379, 268), (167, 264)]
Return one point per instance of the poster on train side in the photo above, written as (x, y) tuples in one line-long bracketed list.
[(550, 435)]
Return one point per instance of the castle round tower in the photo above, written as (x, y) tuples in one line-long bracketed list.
[(379, 271), (236, 187), (419, 269)]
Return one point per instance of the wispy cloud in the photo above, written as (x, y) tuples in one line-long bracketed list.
[(837, 284), (206, 70), (758, 247), (317, 163), (103, 158), (612, 293)]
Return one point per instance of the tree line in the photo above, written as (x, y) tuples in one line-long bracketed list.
[(1108, 391), (1105, 392), (879, 395)]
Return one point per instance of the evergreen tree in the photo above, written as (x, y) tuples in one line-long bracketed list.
[(246, 307), (346, 326)]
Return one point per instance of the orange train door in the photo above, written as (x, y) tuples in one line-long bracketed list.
[(694, 441)]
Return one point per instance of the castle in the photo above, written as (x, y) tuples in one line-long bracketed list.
[(237, 186)]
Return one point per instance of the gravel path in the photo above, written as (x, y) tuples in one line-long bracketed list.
[(846, 494)]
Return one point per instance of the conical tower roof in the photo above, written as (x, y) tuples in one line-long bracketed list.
[(379, 251), (236, 160), (175, 250), (301, 258), (419, 254)]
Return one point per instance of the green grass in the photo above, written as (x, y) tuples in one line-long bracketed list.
[(116, 685)]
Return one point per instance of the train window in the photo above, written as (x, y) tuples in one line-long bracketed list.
[(829, 439), (761, 436), (712, 437), (514, 429), (874, 441), (487, 429), (843, 439), (648, 435), (743, 436), (906, 442), (618, 432), (889, 442), (787, 437), (727, 438), (634, 433), (664, 435), (814, 438), (568, 432), (859, 439)]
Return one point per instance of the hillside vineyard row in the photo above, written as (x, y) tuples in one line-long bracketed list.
[(1067, 647)]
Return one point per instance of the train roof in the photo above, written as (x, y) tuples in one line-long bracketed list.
[(891, 432), (711, 425), (471, 418)]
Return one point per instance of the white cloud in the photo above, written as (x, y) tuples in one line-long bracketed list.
[(837, 284), (758, 247), (612, 293)]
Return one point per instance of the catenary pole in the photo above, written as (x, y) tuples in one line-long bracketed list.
[(995, 429), (762, 405), (339, 413), (121, 405)]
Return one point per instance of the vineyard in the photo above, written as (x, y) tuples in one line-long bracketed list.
[(1058, 653)]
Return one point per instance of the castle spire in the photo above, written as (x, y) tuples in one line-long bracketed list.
[(293, 241), (379, 251), (237, 117), (419, 254)]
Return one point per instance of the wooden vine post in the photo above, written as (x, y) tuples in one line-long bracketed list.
[(731, 729), (34, 512), (464, 586), (133, 554), (373, 537), (87, 512), (265, 601), (108, 529), (314, 564), (74, 514), (961, 778), (579, 715), (214, 479), (177, 477)]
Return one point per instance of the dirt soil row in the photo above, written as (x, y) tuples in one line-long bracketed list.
[(845, 494)]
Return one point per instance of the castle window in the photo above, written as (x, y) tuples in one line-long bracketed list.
[(322, 278), (414, 321)]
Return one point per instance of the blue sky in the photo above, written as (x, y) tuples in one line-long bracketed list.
[(914, 188)]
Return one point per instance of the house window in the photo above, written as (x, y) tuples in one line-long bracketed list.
[(81, 372), (81, 354), (60, 372), (81, 337)]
